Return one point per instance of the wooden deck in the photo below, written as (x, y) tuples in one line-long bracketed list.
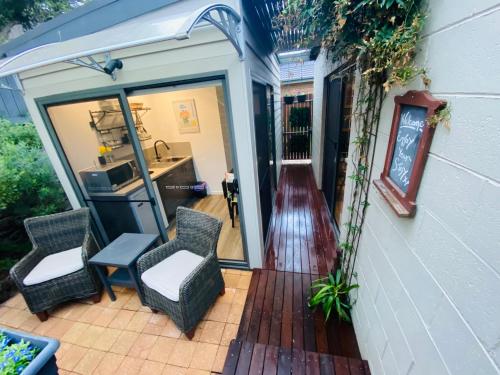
[(301, 236), (276, 313), (244, 357), (278, 333)]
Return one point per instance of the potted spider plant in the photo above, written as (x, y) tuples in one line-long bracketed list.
[(331, 293)]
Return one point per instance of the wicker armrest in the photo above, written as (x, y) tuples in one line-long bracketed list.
[(89, 248), (197, 281), (22, 268), (155, 256)]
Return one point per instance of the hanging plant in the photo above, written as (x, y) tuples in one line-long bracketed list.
[(381, 37)]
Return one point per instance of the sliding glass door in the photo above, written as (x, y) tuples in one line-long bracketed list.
[(96, 139)]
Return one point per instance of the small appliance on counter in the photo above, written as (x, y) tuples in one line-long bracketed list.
[(110, 177)]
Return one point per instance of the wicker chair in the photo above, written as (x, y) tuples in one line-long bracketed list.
[(197, 233), (53, 234)]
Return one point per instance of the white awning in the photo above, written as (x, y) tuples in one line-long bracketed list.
[(154, 27)]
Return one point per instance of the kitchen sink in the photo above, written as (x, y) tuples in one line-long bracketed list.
[(166, 161)]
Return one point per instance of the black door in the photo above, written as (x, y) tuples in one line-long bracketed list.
[(272, 137), (333, 125), (264, 148)]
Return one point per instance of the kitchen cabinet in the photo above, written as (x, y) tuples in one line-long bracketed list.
[(175, 187)]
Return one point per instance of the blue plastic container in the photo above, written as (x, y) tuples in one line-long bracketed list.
[(45, 362)]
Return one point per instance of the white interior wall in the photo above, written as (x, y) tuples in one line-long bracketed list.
[(430, 285), (207, 146)]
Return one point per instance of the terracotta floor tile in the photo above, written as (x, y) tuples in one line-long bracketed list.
[(14, 317), (138, 321), (151, 368), (17, 301), (232, 271), (244, 282), (220, 358), (230, 280), (240, 297), (30, 324), (142, 346), (228, 296), (91, 314), (71, 357), (230, 331), (74, 332), (63, 310), (130, 366), (59, 329), (134, 303), (106, 340), (174, 370), (158, 319), (105, 317), (110, 364), (219, 312), (204, 356), (77, 311), (182, 353), (122, 298), (124, 342), (195, 371), (89, 362), (90, 336), (121, 319), (212, 332), (235, 314), (43, 327), (171, 330), (161, 349)]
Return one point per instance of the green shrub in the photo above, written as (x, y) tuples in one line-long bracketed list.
[(28, 184), (300, 116)]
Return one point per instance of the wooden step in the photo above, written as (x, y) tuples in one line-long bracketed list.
[(276, 313), (244, 357)]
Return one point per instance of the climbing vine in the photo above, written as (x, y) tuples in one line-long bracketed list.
[(381, 36)]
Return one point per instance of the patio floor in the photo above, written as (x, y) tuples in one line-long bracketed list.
[(127, 338)]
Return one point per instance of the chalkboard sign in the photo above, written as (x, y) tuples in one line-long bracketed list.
[(410, 130), (409, 144)]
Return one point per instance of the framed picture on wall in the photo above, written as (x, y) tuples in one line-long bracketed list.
[(187, 118)]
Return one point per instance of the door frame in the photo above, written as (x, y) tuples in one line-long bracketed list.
[(341, 73), (120, 92)]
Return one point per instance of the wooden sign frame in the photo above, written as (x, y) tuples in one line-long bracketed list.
[(402, 203)]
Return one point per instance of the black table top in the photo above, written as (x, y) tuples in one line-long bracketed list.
[(124, 250)]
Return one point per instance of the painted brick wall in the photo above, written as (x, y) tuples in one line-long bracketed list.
[(429, 301)]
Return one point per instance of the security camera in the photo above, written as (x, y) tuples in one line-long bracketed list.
[(112, 65)]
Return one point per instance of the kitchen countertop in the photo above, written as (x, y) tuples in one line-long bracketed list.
[(136, 185)]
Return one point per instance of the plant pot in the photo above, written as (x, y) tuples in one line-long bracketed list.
[(301, 98), (45, 362), (288, 99)]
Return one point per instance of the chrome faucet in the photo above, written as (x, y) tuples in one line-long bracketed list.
[(158, 157)]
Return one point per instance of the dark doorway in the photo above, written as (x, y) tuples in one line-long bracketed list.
[(272, 137), (264, 147), (336, 142)]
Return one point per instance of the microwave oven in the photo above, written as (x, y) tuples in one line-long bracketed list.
[(110, 177)]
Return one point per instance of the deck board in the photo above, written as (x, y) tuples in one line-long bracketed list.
[(291, 324), (302, 238), (248, 358)]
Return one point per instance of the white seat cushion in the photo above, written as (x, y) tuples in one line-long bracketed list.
[(167, 276), (55, 265)]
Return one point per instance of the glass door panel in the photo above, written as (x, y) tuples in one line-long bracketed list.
[(96, 142), (186, 142)]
